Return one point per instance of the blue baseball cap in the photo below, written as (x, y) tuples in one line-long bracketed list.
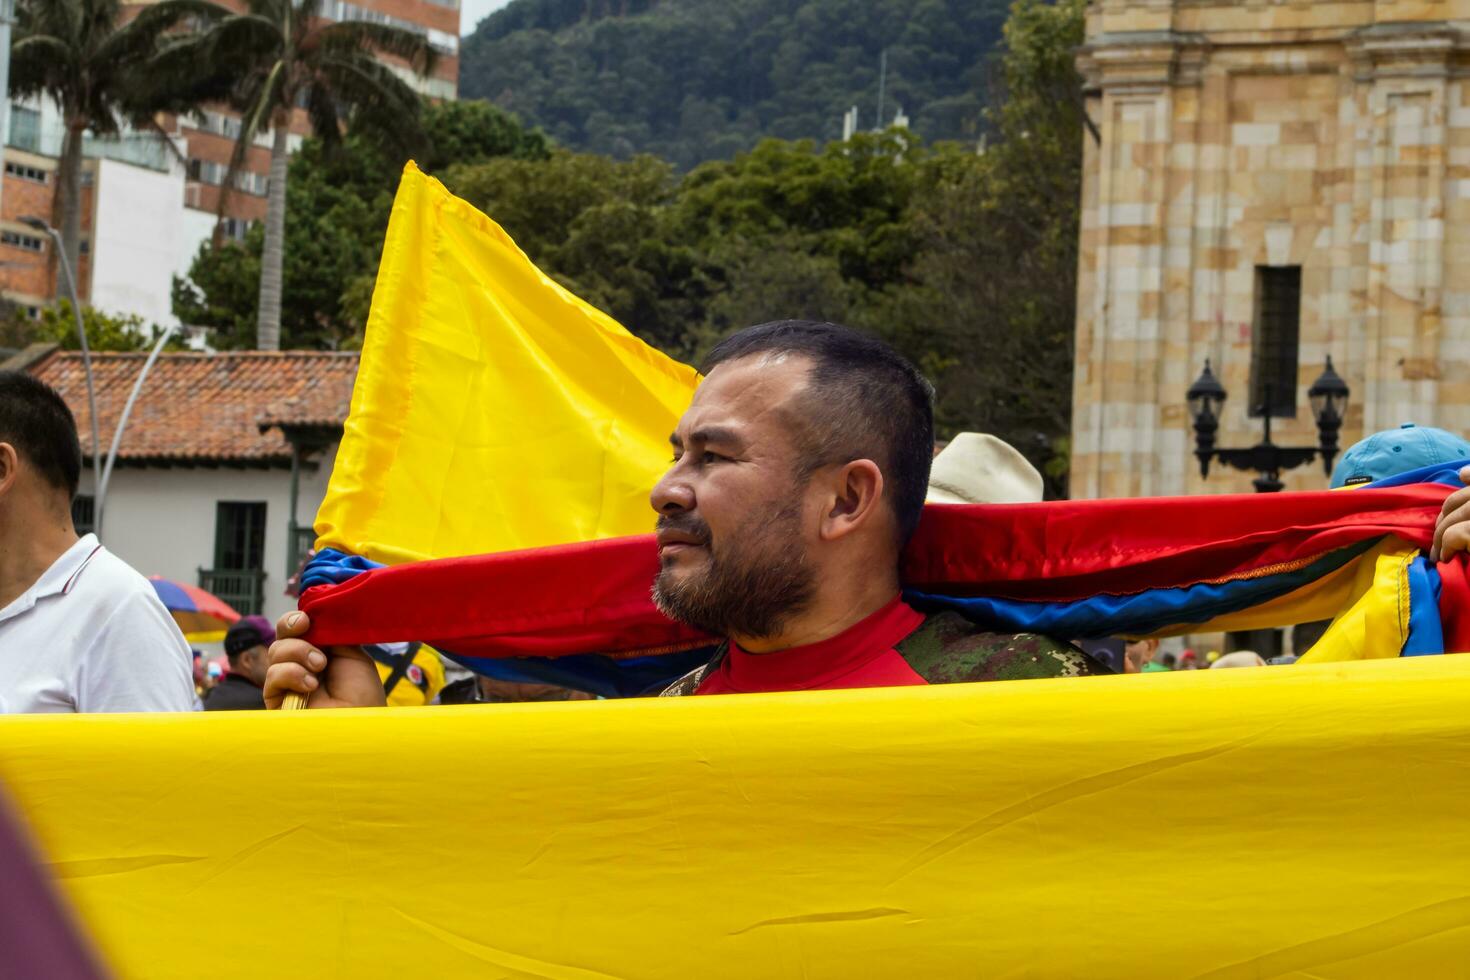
[(1394, 451)]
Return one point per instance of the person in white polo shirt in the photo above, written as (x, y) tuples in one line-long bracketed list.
[(79, 629)]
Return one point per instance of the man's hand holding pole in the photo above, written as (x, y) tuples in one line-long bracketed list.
[(301, 676)]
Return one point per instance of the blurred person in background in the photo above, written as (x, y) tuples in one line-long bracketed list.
[(246, 645), (1138, 656), (80, 630), (412, 674), (1393, 452)]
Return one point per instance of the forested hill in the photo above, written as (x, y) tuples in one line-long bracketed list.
[(692, 80)]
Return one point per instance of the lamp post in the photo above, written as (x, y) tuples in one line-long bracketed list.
[(122, 424), (1328, 397), (76, 309)]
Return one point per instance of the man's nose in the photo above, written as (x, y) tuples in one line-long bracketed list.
[(672, 493)]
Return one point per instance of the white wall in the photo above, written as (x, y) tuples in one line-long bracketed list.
[(161, 521), (196, 228), (142, 233)]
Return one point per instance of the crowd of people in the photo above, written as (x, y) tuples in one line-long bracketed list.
[(799, 473)]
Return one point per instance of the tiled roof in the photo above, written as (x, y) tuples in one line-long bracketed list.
[(206, 408)]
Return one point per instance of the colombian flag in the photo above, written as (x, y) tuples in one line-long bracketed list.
[(1071, 569)]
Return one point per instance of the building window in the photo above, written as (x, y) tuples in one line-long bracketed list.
[(1275, 340), (239, 535), (235, 228), (343, 10), (20, 240), (25, 128), (238, 575), (34, 174), (214, 174), (217, 123), (83, 513)]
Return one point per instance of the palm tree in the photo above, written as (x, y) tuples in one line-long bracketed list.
[(281, 54), (100, 72)]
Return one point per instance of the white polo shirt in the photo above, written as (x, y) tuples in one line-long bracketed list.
[(91, 635)]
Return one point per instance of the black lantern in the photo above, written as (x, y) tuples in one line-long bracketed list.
[(1205, 398), (1328, 396)]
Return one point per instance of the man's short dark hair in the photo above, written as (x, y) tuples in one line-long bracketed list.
[(37, 422), (865, 401), (247, 633)]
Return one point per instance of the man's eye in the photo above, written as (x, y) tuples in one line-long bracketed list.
[(709, 457)]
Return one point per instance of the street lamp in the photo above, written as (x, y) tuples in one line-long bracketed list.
[(76, 309), (1328, 397), (122, 423)]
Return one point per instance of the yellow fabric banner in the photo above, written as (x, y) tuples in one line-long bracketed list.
[(493, 410), (1225, 824), (1366, 599)]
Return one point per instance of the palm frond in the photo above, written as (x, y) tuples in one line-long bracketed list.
[(321, 109), (349, 36), (363, 82), (271, 96), (272, 10), (67, 20), (307, 12), (374, 96), (262, 106), (182, 74), (141, 36), (245, 39), (39, 63)]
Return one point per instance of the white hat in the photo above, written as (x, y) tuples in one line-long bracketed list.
[(977, 468), (1241, 658)]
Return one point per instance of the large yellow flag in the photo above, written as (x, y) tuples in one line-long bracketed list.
[(1302, 822), (493, 409)]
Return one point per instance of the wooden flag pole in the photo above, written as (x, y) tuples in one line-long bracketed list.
[(293, 702)]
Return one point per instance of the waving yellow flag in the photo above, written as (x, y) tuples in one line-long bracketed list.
[(1098, 827), (493, 409)]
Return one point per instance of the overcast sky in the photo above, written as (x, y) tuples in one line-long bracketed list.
[(473, 11)]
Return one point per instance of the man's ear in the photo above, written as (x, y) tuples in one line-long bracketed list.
[(855, 495), (9, 467)]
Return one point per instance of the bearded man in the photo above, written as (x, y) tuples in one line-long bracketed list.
[(800, 471), (799, 474)]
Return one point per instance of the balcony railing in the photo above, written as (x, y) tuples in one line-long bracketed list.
[(243, 589)]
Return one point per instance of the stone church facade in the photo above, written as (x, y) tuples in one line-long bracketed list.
[(1270, 182)]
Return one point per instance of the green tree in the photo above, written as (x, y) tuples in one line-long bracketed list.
[(104, 75), (598, 225), (695, 80), (846, 201), (57, 325), (991, 307), (338, 198), (280, 54), (221, 291), (470, 130)]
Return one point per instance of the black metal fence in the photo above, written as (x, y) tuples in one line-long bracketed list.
[(244, 589)]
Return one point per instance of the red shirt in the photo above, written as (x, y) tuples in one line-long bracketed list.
[(861, 656)]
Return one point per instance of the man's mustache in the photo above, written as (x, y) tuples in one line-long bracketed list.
[(684, 524)]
